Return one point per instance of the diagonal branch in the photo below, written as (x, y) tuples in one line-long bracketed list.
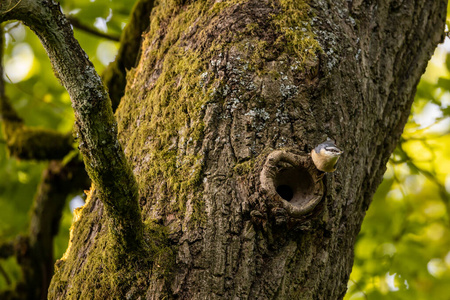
[(77, 24), (95, 124), (35, 251), (5, 275)]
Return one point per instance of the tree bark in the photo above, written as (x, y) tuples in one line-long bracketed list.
[(225, 104)]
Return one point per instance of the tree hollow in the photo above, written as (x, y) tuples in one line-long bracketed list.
[(293, 181)]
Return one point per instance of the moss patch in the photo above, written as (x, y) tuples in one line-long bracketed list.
[(294, 24), (105, 276), (244, 168), (170, 130)]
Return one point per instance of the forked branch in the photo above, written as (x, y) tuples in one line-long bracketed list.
[(95, 124)]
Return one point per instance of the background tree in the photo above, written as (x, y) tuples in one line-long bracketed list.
[(219, 88), (402, 249)]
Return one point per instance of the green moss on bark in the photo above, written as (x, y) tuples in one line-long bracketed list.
[(176, 83), (294, 23), (105, 276), (172, 126)]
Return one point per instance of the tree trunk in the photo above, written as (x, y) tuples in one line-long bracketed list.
[(223, 108)]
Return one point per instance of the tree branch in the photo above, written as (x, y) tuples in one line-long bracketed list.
[(33, 143), (114, 75), (34, 252), (95, 124), (24, 142), (6, 249), (77, 24), (58, 181), (5, 275)]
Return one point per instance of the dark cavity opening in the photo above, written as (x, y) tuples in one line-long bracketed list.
[(294, 184), (285, 192)]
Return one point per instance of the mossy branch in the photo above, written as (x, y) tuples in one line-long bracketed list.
[(29, 143), (114, 75), (95, 124)]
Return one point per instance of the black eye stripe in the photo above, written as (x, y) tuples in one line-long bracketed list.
[(332, 150)]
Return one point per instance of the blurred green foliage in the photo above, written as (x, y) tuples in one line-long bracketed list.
[(403, 250)]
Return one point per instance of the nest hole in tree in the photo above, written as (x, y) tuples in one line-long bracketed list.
[(294, 184), (292, 181)]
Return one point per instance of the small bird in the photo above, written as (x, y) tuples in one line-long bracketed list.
[(326, 155)]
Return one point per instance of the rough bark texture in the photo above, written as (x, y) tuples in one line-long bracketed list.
[(219, 87)]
